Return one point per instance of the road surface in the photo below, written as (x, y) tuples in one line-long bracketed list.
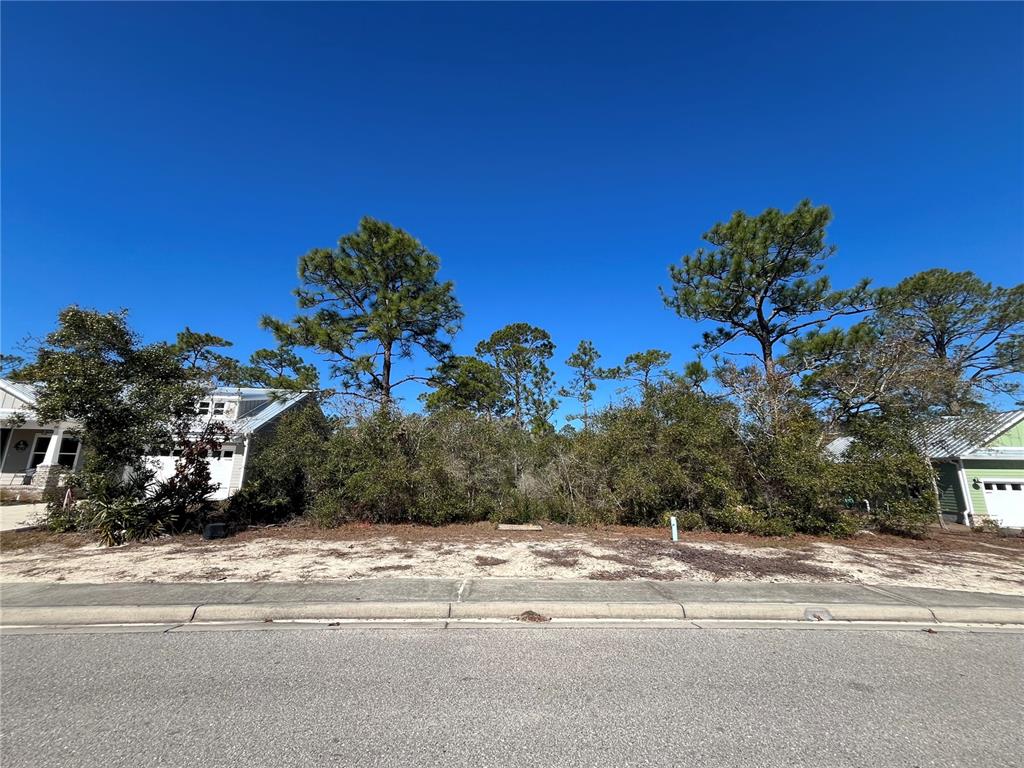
[(513, 696)]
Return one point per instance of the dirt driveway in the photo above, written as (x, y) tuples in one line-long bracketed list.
[(982, 562)]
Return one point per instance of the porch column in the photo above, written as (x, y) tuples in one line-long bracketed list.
[(47, 474), (53, 449)]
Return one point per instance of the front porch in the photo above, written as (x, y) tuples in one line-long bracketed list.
[(36, 457)]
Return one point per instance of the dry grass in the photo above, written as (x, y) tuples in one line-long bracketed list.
[(719, 563), (11, 541)]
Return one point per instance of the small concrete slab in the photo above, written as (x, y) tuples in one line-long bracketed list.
[(19, 517), (519, 590), (511, 527)]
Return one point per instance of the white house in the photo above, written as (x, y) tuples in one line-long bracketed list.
[(34, 456)]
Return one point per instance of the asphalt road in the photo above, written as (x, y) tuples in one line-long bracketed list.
[(543, 696)]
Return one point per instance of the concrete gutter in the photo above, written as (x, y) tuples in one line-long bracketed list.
[(30, 604)]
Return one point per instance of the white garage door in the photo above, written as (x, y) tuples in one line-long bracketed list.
[(220, 472), (1004, 500), (220, 469)]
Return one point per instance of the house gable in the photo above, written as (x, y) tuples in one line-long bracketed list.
[(1009, 438), (15, 397)]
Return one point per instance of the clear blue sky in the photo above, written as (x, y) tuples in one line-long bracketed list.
[(177, 159)]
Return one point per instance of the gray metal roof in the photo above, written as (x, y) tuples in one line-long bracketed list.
[(267, 412), (955, 436), (245, 392), (26, 392), (837, 448)]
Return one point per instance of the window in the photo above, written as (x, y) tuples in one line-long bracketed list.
[(218, 409), (66, 454), (38, 451), (204, 407), (995, 485), (227, 454)]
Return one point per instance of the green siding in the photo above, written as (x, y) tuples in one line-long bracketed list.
[(1011, 438), (996, 470), (950, 498)]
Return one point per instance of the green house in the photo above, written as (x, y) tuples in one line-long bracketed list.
[(979, 463), (979, 466)]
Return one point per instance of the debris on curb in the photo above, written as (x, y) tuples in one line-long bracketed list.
[(532, 617)]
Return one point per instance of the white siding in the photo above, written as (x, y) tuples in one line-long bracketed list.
[(7, 400), (237, 468)]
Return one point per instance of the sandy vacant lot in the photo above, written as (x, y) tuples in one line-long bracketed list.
[(981, 562)]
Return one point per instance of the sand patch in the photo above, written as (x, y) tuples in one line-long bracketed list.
[(480, 552)]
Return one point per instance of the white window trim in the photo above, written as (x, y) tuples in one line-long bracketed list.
[(78, 450), (64, 436), (35, 442)]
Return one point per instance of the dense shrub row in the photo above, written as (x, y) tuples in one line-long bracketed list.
[(678, 452)]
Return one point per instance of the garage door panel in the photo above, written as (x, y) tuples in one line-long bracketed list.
[(1004, 501)]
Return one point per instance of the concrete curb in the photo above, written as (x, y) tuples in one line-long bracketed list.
[(442, 610), (567, 610), (347, 610), (808, 612), (979, 615)]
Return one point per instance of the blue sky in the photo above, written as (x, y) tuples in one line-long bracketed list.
[(177, 159)]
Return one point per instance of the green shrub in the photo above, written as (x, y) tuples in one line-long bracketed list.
[(123, 519), (688, 521), (882, 466), (677, 452), (789, 479), (742, 519), (280, 468)]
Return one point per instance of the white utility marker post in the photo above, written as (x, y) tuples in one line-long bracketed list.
[(675, 529)]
